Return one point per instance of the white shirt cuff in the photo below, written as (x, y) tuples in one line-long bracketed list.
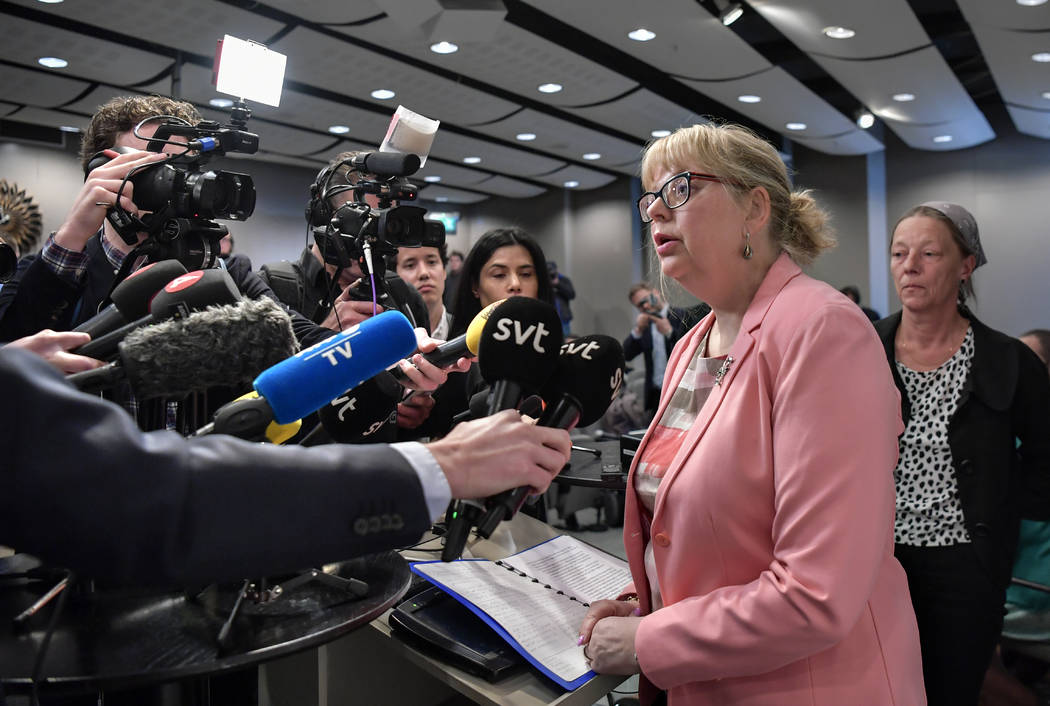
[(436, 491)]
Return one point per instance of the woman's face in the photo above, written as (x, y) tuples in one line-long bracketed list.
[(926, 264), (508, 272), (700, 242)]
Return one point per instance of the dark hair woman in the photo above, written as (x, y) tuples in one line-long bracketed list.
[(975, 453), (505, 262)]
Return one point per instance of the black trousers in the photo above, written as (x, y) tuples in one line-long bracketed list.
[(959, 610)]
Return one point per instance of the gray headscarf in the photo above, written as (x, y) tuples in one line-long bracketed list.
[(966, 225)]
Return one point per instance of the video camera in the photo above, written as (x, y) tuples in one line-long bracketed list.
[(353, 231), (181, 194)]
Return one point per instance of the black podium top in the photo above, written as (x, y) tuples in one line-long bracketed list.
[(600, 469), (121, 639)]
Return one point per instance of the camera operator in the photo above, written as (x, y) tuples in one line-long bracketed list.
[(320, 289)]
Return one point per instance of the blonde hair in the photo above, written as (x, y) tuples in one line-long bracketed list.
[(745, 161)]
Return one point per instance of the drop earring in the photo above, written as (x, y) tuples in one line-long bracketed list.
[(748, 252)]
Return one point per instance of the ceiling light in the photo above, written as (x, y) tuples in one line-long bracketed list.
[(903, 97), (471, 160), (660, 133), (441, 199), (1041, 57), (571, 184), (526, 136), (591, 156), (339, 129), (55, 2), (220, 102), (796, 126), (943, 138), (52, 62), (1046, 95), (731, 13), (383, 94), (641, 35), (838, 32), (444, 48), (748, 98), (549, 87), (432, 179), (1026, 3), (66, 128), (864, 119)]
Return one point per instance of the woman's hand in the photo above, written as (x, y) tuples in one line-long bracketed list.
[(607, 635)]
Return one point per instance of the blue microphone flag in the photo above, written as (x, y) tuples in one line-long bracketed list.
[(314, 377)]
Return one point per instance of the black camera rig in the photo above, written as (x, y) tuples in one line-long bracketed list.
[(180, 195)]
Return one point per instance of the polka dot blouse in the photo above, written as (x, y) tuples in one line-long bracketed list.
[(929, 513)]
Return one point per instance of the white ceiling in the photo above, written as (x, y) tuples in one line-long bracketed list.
[(959, 58)]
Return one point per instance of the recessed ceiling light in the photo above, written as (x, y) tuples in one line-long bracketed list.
[(66, 128), (748, 98), (471, 160), (796, 126), (1046, 95), (1026, 3), (55, 2), (549, 87), (526, 136), (592, 156), (838, 32), (731, 13), (339, 129), (903, 97), (52, 62), (943, 138), (1041, 57), (444, 48), (432, 179), (641, 35), (660, 133), (865, 119), (383, 94), (441, 199), (571, 184), (220, 102)]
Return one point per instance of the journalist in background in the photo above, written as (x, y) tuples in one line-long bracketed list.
[(759, 517)]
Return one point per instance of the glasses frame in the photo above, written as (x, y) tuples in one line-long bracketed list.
[(643, 211)]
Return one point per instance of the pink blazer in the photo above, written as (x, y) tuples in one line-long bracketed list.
[(773, 527)]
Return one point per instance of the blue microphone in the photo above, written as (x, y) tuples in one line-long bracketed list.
[(312, 378)]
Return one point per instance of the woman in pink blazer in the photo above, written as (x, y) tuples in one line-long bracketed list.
[(759, 520)]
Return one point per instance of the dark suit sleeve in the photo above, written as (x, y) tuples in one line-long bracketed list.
[(1031, 421), (632, 346), (82, 487), (35, 299)]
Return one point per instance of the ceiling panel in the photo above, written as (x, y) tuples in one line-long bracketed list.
[(445, 194), (784, 101), (584, 178), (513, 188), (1006, 15), (882, 28), (321, 60), (89, 57), (45, 89), (563, 138), (453, 147), (509, 58), (639, 113), (1030, 122)]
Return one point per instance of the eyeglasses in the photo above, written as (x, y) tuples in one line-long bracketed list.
[(674, 192)]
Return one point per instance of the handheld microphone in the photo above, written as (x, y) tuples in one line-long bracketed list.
[(186, 293), (131, 298), (517, 353), (359, 413), (248, 417), (386, 164), (464, 345), (587, 379), (221, 345), (314, 377)]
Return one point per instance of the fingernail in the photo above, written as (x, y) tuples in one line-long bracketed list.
[(580, 641), (637, 611)]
